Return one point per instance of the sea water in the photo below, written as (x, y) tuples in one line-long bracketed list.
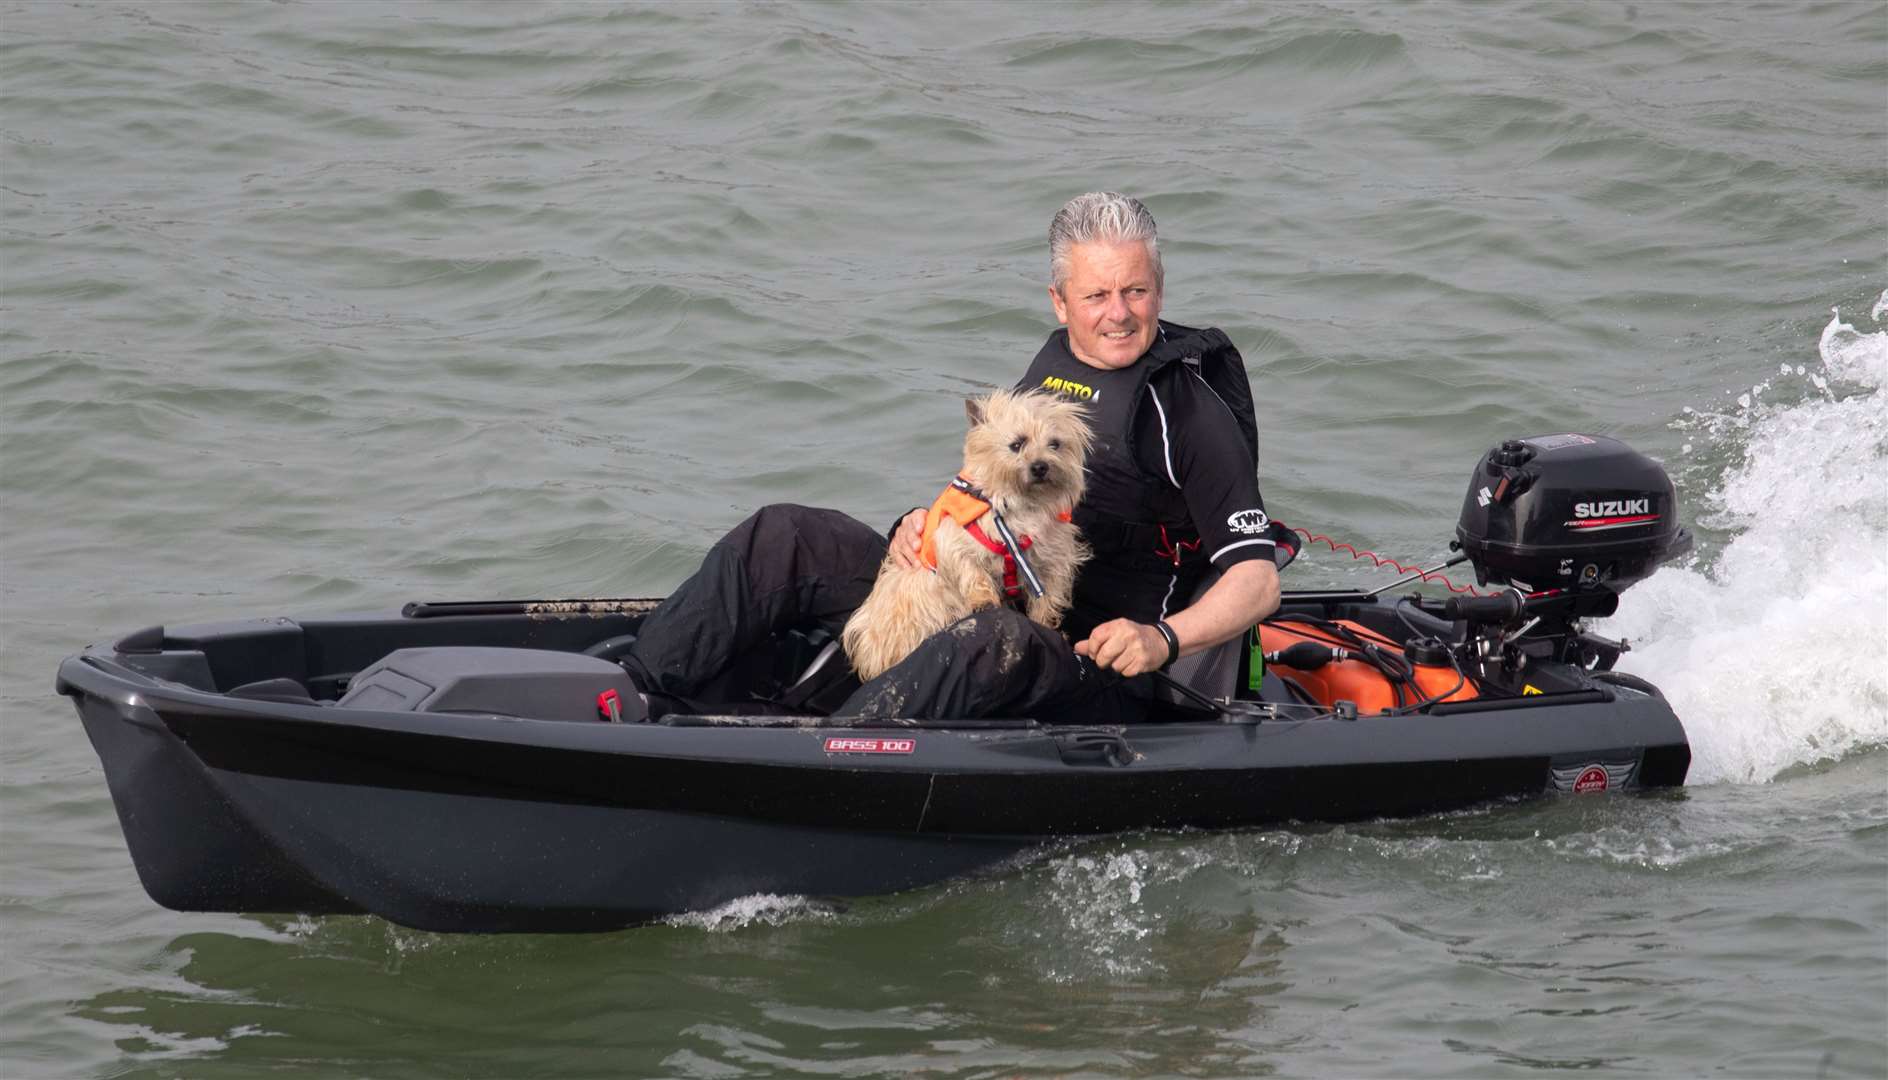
[(318, 307)]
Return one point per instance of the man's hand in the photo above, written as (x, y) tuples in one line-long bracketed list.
[(908, 538), (1125, 646), (1242, 596)]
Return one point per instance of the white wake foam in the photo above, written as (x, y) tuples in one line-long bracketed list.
[(1096, 915), (757, 909), (1776, 653)]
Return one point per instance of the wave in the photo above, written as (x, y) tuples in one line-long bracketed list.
[(1772, 652)]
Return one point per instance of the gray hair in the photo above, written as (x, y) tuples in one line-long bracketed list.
[(1100, 216)]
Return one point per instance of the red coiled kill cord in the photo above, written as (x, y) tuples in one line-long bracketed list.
[(1338, 545)]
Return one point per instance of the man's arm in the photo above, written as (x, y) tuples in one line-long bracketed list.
[(1205, 455), (1244, 594)]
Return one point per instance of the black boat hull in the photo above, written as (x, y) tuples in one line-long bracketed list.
[(464, 822)]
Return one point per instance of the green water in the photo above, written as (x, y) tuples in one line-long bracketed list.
[(316, 307)]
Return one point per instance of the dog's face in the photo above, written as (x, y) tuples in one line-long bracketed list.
[(1027, 448)]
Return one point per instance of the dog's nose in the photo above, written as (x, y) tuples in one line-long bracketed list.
[(1039, 470)]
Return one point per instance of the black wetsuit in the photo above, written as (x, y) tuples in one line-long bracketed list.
[(1172, 487), (1172, 495)]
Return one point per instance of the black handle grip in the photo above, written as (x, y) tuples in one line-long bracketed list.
[(1484, 609)]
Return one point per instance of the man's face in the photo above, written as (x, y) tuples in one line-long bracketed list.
[(1110, 303)]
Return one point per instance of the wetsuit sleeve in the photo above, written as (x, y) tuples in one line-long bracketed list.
[(892, 533), (1204, 454)]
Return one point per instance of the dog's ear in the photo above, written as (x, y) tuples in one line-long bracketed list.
[(973, 409)]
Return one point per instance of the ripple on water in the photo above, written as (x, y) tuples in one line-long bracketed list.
[(333, 306)]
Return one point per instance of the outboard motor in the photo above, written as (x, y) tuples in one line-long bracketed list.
[(1568, 522), (1579, 512)]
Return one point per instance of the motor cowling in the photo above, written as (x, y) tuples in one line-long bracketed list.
[(1584, 513)]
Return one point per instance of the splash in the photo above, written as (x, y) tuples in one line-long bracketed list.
[(1098, 917), (765, 909), (1773, 654)]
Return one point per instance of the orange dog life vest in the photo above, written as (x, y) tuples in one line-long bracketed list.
[(963, 503)]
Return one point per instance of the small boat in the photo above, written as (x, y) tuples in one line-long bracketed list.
[(454, 767)]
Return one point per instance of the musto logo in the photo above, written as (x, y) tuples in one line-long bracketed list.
[(1071, 388), (838, 745)]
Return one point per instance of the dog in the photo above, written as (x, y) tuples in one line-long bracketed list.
[(1023, 468)]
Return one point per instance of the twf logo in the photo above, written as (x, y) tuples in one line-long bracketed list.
[(1248, 522)]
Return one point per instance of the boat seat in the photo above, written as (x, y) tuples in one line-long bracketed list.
[(273, 690), (611, 648), (823, 685), (1215, 672), (543, 684), (818, 665)]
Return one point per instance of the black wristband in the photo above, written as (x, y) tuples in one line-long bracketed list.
[(1173, 642)]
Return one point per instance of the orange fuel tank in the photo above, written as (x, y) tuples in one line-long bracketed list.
[(1354, 680)]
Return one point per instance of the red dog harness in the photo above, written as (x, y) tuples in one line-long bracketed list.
[(961, 502), (1012, 588)]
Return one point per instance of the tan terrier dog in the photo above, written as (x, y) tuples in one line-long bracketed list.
[(1022, 476)]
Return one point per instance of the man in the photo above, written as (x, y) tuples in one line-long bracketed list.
[(1172, 500)]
